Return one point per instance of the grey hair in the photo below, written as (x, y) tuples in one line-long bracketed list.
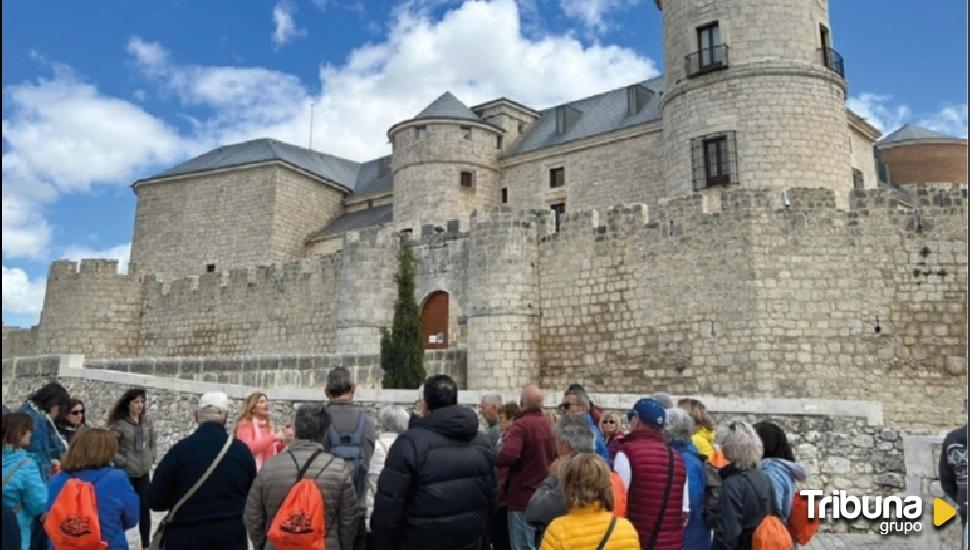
[(393, 419), (582, 399), (575, 431), (338, 382), (663, 398), (742, 446), (311, 422), (679, 425), (492, 398), (212, 414)]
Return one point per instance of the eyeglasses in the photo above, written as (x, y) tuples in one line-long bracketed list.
[(609, 422), (77, 412), (565, 406)]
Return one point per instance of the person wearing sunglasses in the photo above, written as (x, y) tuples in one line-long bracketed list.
[(576, 402), (612, 433), (69, 424)]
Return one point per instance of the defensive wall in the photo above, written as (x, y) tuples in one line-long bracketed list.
[(844, 444), (738, 293)]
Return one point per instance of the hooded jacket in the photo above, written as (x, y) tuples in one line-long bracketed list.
[(116, 500), (696, 534), (278, 476), (438, 486), (703, 439), (45, 443), (136, 457), (24, 492), (783, 475), (745, 500)]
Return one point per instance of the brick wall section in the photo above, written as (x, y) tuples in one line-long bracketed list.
[(921, 163), (303, 205), (19, 341), (598, 175), (90, 308), (284, 308), (365, 290)]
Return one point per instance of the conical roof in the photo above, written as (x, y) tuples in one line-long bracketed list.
[(911, 132), (447, 106)]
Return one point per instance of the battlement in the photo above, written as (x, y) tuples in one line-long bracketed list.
[(87, 267), (697, 209)]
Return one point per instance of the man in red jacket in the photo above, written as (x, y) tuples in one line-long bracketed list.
[(655, 479), (528, 448)]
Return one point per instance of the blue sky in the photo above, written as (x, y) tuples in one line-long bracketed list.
[(99, 94)]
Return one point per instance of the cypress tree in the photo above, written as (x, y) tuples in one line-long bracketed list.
[(402, 352)]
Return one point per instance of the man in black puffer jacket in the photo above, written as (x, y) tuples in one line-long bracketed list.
[(438, 486)]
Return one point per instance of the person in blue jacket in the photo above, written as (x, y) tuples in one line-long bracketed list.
[(89, 459), (679, 429), (46, 445), (24, 492)]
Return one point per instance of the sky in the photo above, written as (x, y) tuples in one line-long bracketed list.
[(99, 94)]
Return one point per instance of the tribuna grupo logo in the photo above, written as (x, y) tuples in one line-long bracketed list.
[(896, 515)]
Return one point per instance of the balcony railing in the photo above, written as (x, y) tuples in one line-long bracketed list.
[(832, 60), (706, 60)]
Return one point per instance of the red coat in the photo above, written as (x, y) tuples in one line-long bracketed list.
[(648, 458), (528, 448)]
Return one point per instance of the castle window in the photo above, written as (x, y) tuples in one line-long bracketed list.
[(498, 142), (714, 160), (466, 132), (557, 177), (505, 195), (711, 54), (559, 210), (210, 268), (466, 179), (858, 179), (421, 132), (521, 128)]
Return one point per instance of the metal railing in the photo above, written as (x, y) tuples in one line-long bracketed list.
[(832, 60), (706, 59)]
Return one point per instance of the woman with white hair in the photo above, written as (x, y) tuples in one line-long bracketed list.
[(393, 422), (746, 493), (680, 429)]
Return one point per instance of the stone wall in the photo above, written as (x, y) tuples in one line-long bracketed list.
[(746, 297), (19, 341), (600, 172), (303, 205), (863, 156), (288, 308)]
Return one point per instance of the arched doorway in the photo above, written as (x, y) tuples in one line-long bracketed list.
[(434, 321)]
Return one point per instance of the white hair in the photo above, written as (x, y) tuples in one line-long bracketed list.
[(393, 419), (679, 425), (211, 414), (492, 398), (742, 446)]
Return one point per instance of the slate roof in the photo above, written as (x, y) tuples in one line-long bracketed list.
[(598, 114), (911, 132), (447, 106), (355, 220), (356, 177)]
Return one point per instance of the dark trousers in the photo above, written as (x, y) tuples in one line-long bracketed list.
[(140, 485), (227, 534), (498, 530)]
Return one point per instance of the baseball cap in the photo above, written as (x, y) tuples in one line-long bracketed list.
[(215, 399), (651, 412)]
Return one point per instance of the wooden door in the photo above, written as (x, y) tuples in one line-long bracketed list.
[(434, 321)]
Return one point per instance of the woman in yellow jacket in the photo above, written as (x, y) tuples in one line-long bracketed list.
[(703, 437), (590, 523)]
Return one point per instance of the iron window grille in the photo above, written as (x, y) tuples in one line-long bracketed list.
[(832, 61), (466, 179), (714, 160)]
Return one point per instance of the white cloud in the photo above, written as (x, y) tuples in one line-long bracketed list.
[(63, 136), (22, 297), (285, 28), (120, 252), (593, 14), (950, 120), (887, 116)]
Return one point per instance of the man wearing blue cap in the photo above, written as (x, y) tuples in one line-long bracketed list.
[(655, 479)]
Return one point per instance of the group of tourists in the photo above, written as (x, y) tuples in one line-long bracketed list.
[(659, 476)]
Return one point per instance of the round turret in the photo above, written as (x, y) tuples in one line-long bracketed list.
[(445, 163), (755, 96)]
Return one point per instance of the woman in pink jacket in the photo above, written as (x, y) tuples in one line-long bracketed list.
[(253, 428)]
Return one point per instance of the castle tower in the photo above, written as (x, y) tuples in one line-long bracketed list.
[(445, 163), (755, 97)]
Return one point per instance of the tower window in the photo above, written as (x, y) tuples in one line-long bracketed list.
[(858, 179), (505, 195), (466, 132), (210, 268), (709, 50), (714, 160), (557, 177), (498, 142), (421, 133), (521, 128), (466, 179), (559, 210)]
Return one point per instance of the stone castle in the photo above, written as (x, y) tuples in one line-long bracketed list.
[(716, 231)]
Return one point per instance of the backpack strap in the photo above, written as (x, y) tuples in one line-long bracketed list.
[(772, 511), (205, 476), (606, 536), (301, 470), (666, 499)]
